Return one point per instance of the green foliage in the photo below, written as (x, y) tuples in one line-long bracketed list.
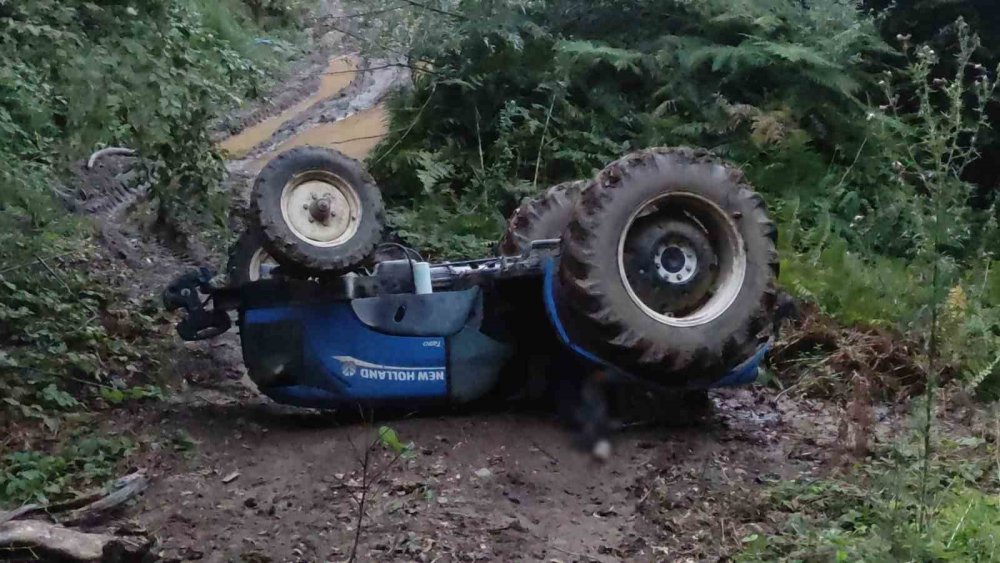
[(521, 95), (149, 75), (117, 396), (930, 149), (180, 440), (820, 265), (873, 512), (63, 329), (389, 440), (83, 461), (75, 76)]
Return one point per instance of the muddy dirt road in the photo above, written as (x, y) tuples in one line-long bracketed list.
[(238, 478), (267, 483)]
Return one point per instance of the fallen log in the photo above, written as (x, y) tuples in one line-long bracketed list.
[(19, 512), (121, 491), (47, 541), (87, 507)]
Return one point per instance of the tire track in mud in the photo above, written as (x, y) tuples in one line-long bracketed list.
[(337, 76), (108, 192), (352, 113), (108, 188), (330, 100)]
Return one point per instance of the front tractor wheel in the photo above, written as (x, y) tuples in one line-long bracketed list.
[(319, 210), (544, 217), (670, 262), (249, 261)]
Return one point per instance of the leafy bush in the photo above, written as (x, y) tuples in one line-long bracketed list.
[(520, 95), (86, 461), (75, 76), (64, 328)]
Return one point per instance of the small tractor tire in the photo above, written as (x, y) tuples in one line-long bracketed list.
[(319, 210), (248, 259)]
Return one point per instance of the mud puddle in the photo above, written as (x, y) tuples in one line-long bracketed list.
[(355, 135), (337, 76), (345, 112)]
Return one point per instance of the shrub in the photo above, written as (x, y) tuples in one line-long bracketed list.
[(75, 76), (518, 96)]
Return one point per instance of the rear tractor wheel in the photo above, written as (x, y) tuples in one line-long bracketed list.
[(670, 263)]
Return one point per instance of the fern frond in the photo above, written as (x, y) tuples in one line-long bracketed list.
[(835, 80), (731, 58), (976, 378), (430, 171), (621, 59), (796, 53)]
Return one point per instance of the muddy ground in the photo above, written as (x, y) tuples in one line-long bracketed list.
[(484, 484), (238, 478)]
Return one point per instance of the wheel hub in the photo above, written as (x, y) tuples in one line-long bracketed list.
[(321, 209), (676, 262), (668, 263)]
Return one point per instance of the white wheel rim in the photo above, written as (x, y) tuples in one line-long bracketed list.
[(261, 264), (731, 253), (300, 198)]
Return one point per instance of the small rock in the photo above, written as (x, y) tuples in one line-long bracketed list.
[(231, 477), (191, 554), (484, 473), (602, 450)]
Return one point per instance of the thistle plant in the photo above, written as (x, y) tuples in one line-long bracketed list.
[(932, 125)]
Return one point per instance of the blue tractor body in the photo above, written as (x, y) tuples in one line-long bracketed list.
[(306, 345)]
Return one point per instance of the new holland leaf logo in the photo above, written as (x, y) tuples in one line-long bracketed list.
[(351, 367)]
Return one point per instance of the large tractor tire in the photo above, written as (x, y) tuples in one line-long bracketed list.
[(670, 265), (319, 210), (544, 217)]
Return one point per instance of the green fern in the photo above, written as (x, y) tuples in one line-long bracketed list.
[(975, 377), (796, 53), (590, 52), (432, 172)]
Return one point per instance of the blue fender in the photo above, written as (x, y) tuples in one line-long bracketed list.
[(743, 374)]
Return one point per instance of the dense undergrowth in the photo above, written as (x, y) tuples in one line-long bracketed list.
[(880, 510), (868, 143), (76, 76)]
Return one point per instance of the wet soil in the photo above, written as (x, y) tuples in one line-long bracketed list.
[(337, 76), (479, 484)]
